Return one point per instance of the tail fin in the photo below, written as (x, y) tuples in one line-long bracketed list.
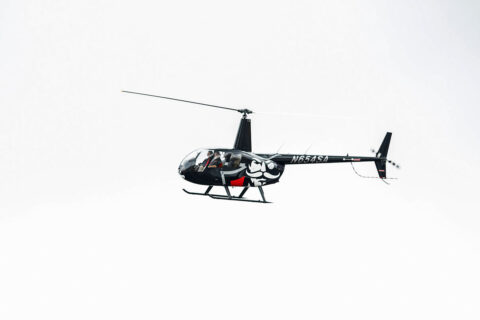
[(383, 150), (382, 156)]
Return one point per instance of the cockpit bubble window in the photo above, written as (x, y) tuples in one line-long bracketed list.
[(189, 160), (208, 159), (203, 159)]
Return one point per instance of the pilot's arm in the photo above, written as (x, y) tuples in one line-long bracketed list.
[(216, 163)]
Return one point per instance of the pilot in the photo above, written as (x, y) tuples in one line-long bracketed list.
[(208, 159), (216, 162)]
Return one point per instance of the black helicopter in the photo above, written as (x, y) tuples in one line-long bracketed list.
[(240, 167)]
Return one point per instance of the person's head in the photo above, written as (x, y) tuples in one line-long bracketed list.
[(216, 154), (209, 153)]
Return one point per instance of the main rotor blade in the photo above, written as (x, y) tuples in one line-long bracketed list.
[(193, 102), (306, 115)]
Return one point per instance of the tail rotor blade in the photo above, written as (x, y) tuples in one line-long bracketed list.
[(306, 115)]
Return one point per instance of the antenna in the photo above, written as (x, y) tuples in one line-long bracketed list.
[(278, 150), (243, 111), (307, 149)]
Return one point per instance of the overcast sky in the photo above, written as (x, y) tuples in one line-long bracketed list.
[(93, 221)]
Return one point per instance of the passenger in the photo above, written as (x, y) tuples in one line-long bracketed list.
[(235, 160), (217, 161), (226, 161)]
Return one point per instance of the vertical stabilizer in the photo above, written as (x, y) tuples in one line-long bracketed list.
[(383, 150), (381, 163)]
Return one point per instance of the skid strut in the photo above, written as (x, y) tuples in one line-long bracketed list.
[(229, 196), (208, 189), (261, 193), (228, 193), (243, 192)]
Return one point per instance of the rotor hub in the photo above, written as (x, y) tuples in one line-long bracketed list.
[(245, 112)]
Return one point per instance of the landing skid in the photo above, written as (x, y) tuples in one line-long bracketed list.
[(222, 197), (197, 193), (229, 196)]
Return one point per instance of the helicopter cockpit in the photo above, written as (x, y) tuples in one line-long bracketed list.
[(201, 160)]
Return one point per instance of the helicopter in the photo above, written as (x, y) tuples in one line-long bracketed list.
[(240, 167)]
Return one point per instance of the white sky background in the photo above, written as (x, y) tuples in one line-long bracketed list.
[(93, 222)]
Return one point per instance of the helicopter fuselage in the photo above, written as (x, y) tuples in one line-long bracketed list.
[(229, 167), (237, 168)]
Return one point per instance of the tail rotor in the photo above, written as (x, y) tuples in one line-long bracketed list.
[(381, 160), (394, 164)]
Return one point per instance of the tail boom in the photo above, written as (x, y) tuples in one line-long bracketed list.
[(287, 159), (380, 158)]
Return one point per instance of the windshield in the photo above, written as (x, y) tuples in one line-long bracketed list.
[(203, 159), (189, 160)]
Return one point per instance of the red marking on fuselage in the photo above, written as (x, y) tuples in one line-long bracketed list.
[(238, 182)]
